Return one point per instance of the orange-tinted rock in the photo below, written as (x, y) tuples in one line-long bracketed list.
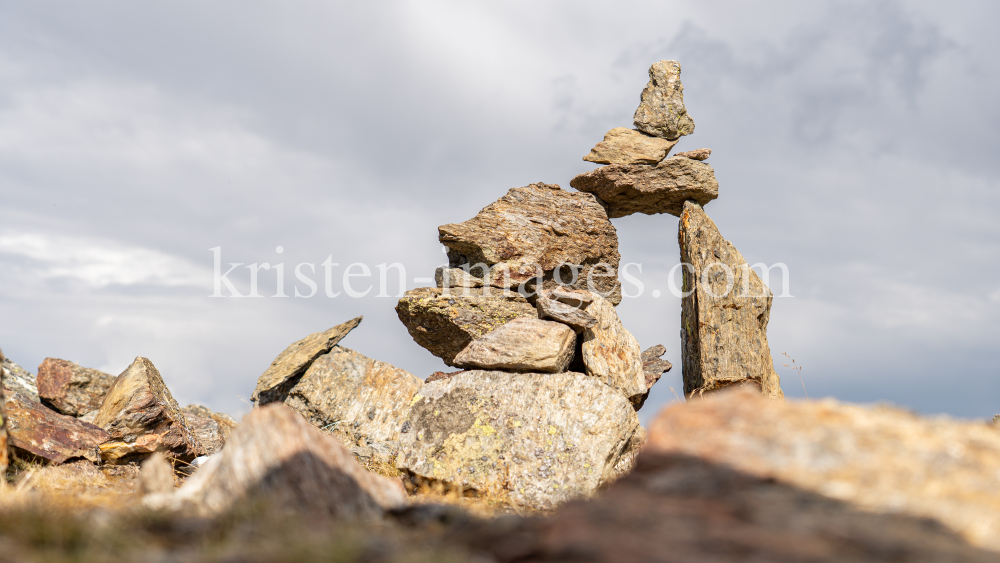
[(40, 431)]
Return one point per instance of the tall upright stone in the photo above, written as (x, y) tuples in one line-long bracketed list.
[(724, 313), (661, 111)]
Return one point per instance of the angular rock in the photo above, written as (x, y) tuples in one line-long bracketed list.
[(523, 344), (290, 364), (445, 322), (71, 389), (654, 367), (442, 375), (142, 417), (536, 439), (19, 380), (612, 354), (156, 475), (42, 432), (697, 154), (567, 307), (455, 277), (878, 459), (210, 429), (724, 314), (628, 146), (539, 230), (278, 459), (627, 189), (661, 110)]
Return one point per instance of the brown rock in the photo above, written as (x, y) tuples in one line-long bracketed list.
[(697, 154), (523, 344), (3, 421), (567, 307), (39, 431), (538, 231), (210, 429), (442, 375), (455, 277), (654, 367), (285, 370), (724, 315), (628, 146), (661, 111), (142, 417), (71, 389), (627, 189), (612, 354), (156, 475)]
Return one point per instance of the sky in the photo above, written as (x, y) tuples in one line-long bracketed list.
[(855, 142)]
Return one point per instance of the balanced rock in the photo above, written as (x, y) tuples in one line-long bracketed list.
[(19, 380), (652, 364), (71, 389), (724, 313), (40, 431), (455, 277), (446, 321), (877, 459), (538, 231), (566, 306), (284, 371), (697, 154), (537, 439), (275, 458), (661, 111), (142, 417), (523, 344), (626, 189), (210, 429), (628, 146), (612, 354)]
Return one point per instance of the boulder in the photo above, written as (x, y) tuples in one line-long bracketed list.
[(455, 277), (142, 417), (538, 231), (535, 439), (71, 389), (876, 459), (19, 380), (697, 154), (628, 146), (566, 306), (35, 429), (724, 313), (630, 188), (661, 110), (445, 322), (156, 475), (612, 354), (285, 370), (210, 429), (276, 458), (523, 344)]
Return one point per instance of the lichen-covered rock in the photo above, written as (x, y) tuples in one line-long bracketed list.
[(284, 371), (523, 344), (612, 354), (537, 439), (455, 277), (210, 429), (626, 189), (40, 431), (16, 379), (142, 417), (628, 146), (566, 306), (724, 314), (696, 154), (446, 321), (661, 110), (70, 388), (539, 231)]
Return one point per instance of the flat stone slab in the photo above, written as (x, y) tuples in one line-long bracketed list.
[(627, 189), (628, 146), (523, 344), (42, 432)]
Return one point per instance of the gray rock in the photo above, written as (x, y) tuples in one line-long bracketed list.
[(523, 344), (661, 111), (210, 429), (612, 354), (19, 380), (455, 277), (627, 189), (654, 367), (628, 146), (697, 154), (567, 307), (70, 388), (536, 439)]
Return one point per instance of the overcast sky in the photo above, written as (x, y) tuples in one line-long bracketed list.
[(856, 142)]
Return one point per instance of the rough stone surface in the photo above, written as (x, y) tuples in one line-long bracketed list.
[(455, 277), (661, 110), (3, 421), (156, 475), (566, 306), (523, 344), (612, 354), (19, 380), (290, 364), (277, 458), (627, 189), (653, 366), (628, 146), (71, 389), (445, 322), (142, 417), (538, 439), (539, 230), (40, 431), (723, 318), (210, 429), (442, 375), (697, 154), (875, 458)]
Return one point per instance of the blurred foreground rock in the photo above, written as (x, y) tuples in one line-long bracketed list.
[(70, 388), (33, 428), (210, 429), (156, 475)]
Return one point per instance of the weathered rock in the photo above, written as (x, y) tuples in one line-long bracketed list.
[(210, 429), (156, 475), (612, 354), (523, 344), (40, 431), (875, 458), (567, 307), (455, 277), (654, 367), (445, 322), (3, 421), (628, 146), (626, 189), (661, 110), (539, 231), (442, 375), (724, 314), (71, 389), (346, 391), (277, 458), (142, 417), (19, 380), (285, 370), (537, 439), (697, 154)]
